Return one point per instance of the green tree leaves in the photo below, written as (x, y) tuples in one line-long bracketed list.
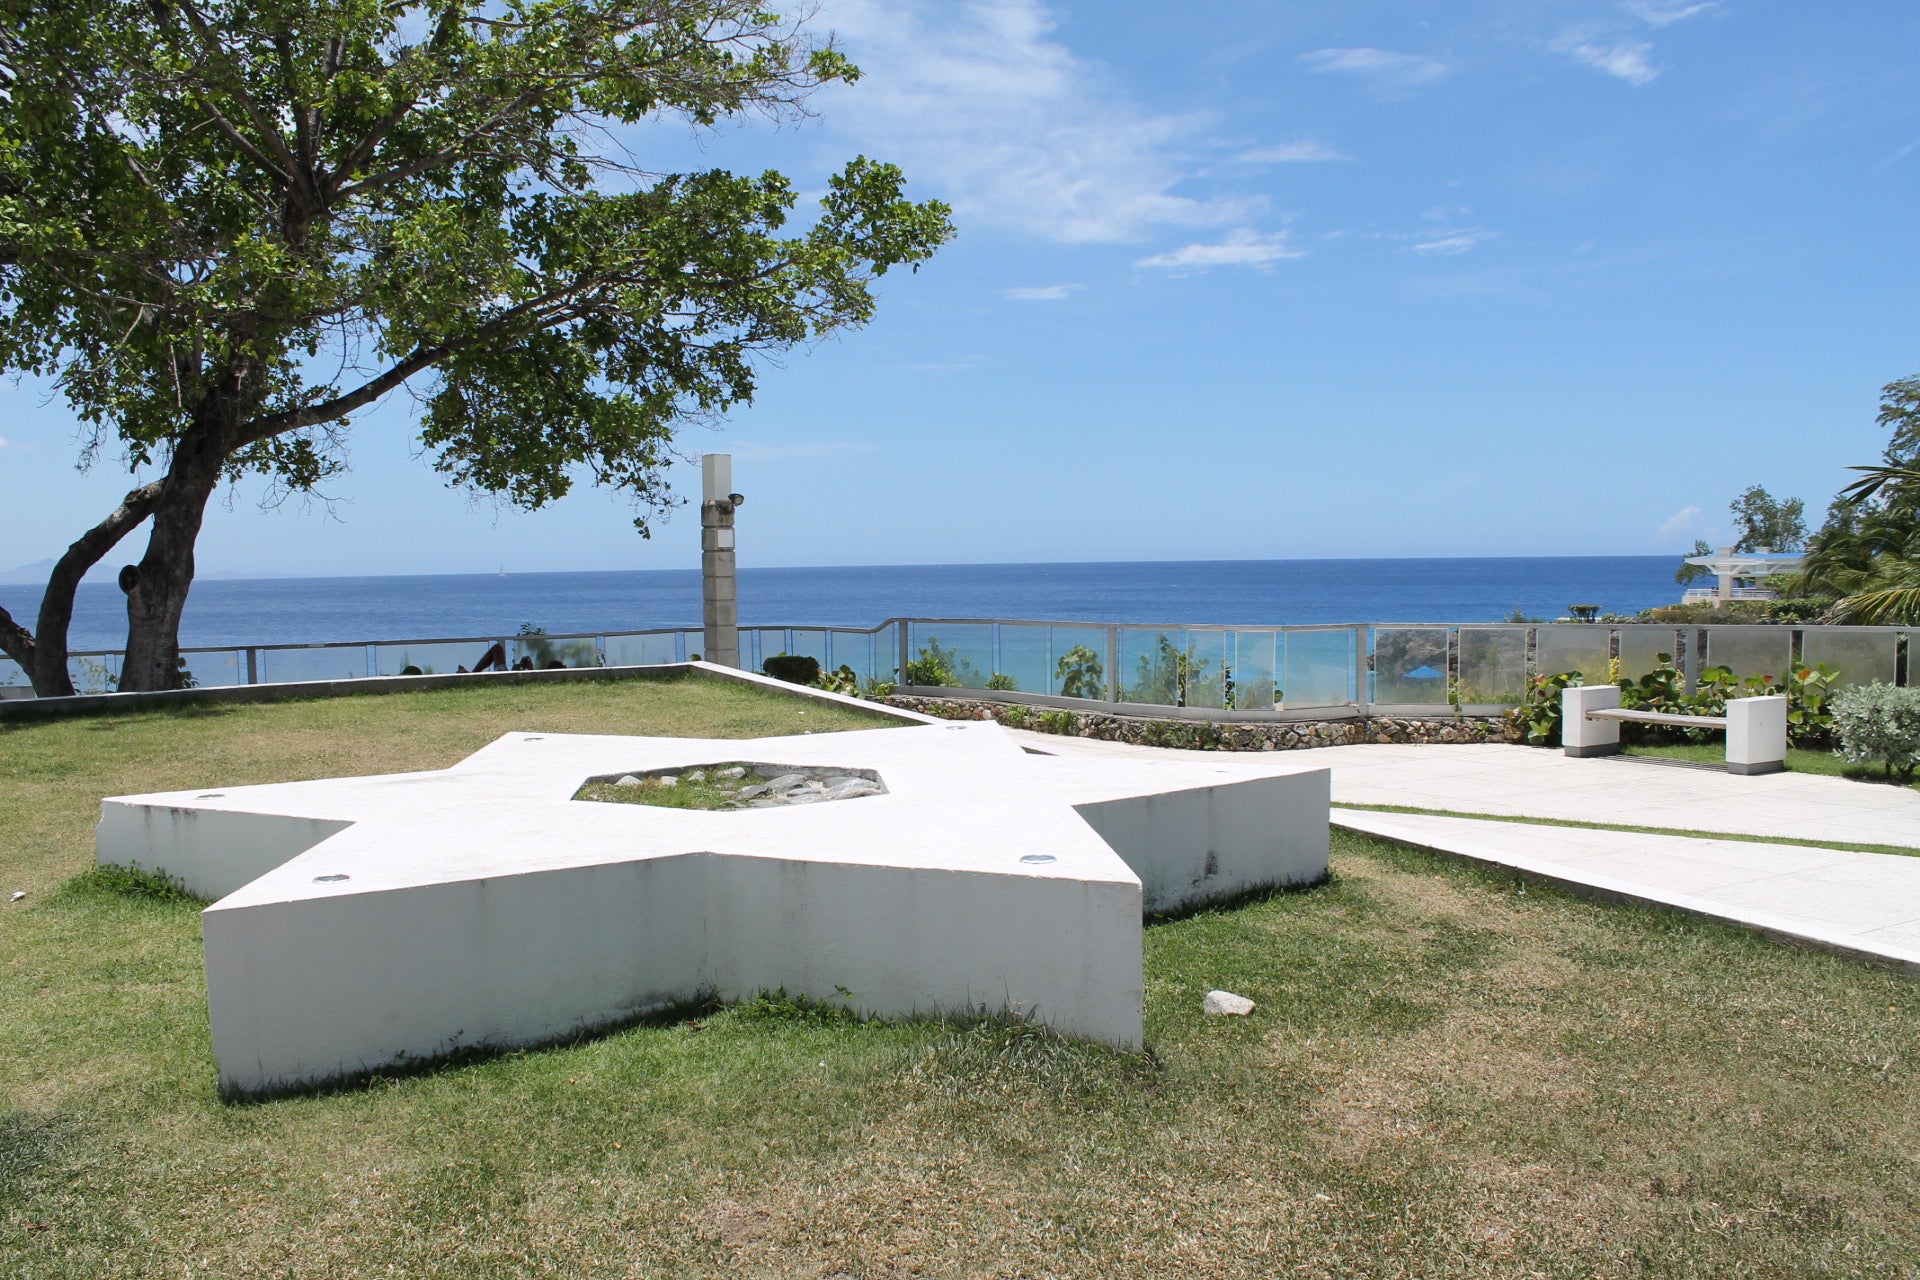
[(226, 225)]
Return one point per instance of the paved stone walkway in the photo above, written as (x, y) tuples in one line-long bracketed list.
[(1868, 903)]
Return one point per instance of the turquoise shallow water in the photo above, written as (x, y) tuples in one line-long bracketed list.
[(1253, 592)]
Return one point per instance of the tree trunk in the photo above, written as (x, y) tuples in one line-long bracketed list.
[(157, 588), (44, 653)]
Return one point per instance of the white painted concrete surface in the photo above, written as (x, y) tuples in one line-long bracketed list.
[(1859, 902), (1756, 734), (365, 922), (1867, 904), (1580, 736)]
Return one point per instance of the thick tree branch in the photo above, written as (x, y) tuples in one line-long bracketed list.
[(16, 641), (417, 361), (289, 164), (49, 669)]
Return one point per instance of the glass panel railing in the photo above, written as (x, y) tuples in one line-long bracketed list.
[(1751, 650), (759, 644), (957, 655), (1150, 665), (538, 652), (1573, 646), (312, 662), (845, 647), (1641, 647), (1493, 665), (13, 680), (691, 642), (1410, 665), (1023, 663), (1205, 670), (1255, 672), (1077, 663), (403, 658), (1316, 667), (94, 672), (1860, 656), (886, 654), (213, 668), (809, 643), (643, 649)]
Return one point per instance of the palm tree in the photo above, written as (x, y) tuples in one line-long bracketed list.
[(1872, 562)]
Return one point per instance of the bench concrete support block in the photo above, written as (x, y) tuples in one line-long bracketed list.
[(1756, 735), (1581, 736)]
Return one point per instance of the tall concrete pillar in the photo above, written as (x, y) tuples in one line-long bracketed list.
[(719, 597)]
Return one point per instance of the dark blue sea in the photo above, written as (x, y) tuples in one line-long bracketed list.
[(1250, 592)]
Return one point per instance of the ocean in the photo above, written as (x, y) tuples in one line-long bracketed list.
[(1250, 592)]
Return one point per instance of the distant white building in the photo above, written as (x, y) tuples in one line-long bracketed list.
[(1738, 574)]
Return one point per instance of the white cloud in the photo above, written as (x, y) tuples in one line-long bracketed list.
[(1657, 14), (1622, 60), (4, 442), (1305, 150), (1687, 522), (985, 110), (1243, 248), (1450, 243), (1382, 66), (1041, 292)]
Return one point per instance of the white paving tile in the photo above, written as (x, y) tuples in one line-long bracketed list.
[(1859, 902)]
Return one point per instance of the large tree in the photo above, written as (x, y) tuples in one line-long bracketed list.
[(226, 226), (1766, 522), (1762, 521)]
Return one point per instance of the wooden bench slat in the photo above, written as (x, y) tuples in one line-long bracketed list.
[(1661, 717)]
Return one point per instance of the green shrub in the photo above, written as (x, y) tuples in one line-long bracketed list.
[(843, 679), (1879, 722), (794, 668), (940, 667), (1081, 674), (1001, 681), (1539, 714)]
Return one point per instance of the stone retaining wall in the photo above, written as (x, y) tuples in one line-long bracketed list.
[(1205, 735)]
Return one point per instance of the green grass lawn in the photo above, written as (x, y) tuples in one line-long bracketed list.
[(1799, 760), (1449, 1074)]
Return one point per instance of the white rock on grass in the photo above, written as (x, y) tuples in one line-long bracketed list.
[(1227, 1004), (669, 779), (626, 780), (18, 894), (737, 771)]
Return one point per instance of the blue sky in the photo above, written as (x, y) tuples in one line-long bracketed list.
[(1257, 280)]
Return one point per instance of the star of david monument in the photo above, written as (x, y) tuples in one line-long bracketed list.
[(936, 868)]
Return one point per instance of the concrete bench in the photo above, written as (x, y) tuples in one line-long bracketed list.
[(1591, 715)]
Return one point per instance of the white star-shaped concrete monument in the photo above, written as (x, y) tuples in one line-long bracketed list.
[(368, 922)]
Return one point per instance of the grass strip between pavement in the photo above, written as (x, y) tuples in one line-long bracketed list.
[(1845, 846)]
